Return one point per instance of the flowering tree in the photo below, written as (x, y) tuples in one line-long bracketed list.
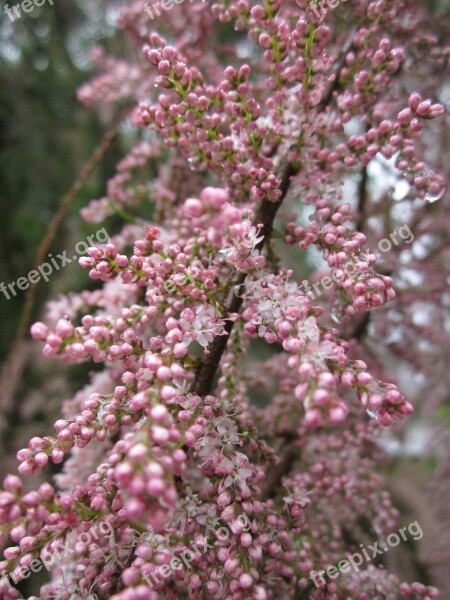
[(229, 446)]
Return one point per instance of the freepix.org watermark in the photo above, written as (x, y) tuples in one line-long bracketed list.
[(242, 524), (402, 234), (15, 12), (329, 3), (154, 10), (45, 270), (354, 561), (50, 558)]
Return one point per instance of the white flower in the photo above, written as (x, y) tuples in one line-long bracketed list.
[(220, 440), (242, 243), (228, 433), (274, 297), (309, 330), (241, 472), (299, 496), (202, 324), (209, 447), (186, 508)]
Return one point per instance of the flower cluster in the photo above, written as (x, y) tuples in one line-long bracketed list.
[(247, 124)]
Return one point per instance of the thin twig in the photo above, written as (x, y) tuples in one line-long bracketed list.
[(14, 365), (362, 199), (274, 475), (288, 450), (339, 65), (265, 216)]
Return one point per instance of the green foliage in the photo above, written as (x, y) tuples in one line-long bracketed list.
[(46, 136)]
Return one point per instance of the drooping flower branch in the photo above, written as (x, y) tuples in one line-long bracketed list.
[(189, 427)]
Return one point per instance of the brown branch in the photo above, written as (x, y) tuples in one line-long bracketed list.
[(361, 327), (265, 216), (362, 200), (334, 79), (14, 365), (274, 475), (207, 369), (288, 450)]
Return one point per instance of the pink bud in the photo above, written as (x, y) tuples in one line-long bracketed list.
[(168, 392), (138, 451), (313, 418), (385, 419), (360, 303), (159, 434), (224, 499), (231, 565), (337, 415), (436, 110), (86, 262), (215, 197), (134, 508), (364, 378), (375, 401), (193, 208), (424, 108), (245, 580), (404, 117), (159, 413), (57, 456), (259, 593), (39, 331), (26, 468), (156, 487), (163, 373), (227, 514), (12, 483), (41, 459), (414, 100)]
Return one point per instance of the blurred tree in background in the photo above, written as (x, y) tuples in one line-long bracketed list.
[(46, 136)]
